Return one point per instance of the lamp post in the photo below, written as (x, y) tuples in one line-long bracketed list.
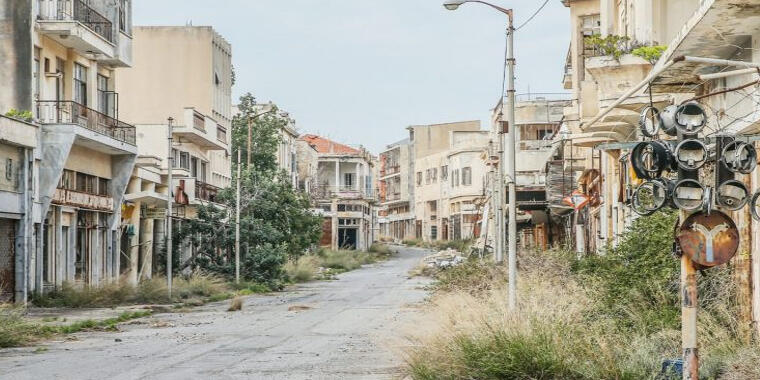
[(509, 159), (170, 198)]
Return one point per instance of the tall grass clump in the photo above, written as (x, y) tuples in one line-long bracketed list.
[(14, 330), (614, 316), (381, 249), (303, 269), (345, 260)]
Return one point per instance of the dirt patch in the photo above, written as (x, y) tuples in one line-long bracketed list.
[(299, 308)]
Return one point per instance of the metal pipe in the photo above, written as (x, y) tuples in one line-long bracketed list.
[(727, 74), (715, 61), (689, 318)]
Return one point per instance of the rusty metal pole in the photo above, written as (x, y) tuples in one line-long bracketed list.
[(689, 318)]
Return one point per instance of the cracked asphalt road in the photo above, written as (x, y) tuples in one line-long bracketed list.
[(343, 329)]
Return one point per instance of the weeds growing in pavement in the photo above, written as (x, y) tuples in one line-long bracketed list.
[(326, 263)]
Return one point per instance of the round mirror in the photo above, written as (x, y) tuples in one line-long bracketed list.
[(650, 121), (690, 118), (691, 154), (739, 157), (688, 195), (732, 195)]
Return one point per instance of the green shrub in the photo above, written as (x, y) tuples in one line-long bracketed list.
[(20, 115), (412, 242), (303, 269), (381, 249), (650, 53), (612, 45)]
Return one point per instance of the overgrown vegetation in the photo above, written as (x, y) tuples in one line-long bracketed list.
[(612, 45), (609, 317), (17, 331), (327, 263), (20, 115), (650, 53), (276, 223), (197, 287)]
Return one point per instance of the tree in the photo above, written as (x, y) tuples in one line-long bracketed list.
[(276, 222)]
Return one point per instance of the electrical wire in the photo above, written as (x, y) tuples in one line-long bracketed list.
[(533, 15)]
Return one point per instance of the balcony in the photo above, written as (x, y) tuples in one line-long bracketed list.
[(69, 112), (206, 192), (74, 24), (83, 200), (390, 170), (345, 192), (200, 130)]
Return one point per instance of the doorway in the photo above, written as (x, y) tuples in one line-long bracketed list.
[(347, 238)]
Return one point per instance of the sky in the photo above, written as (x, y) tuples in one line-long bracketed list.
[(361, 71)]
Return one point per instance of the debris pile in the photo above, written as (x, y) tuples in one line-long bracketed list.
[(443, 259)]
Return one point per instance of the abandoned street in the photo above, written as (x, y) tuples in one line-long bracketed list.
[(347, 328)]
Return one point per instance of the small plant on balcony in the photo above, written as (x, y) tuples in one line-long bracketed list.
[(650, 53), (20, 115), (611, 45)]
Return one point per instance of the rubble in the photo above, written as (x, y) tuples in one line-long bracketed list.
[(444, 259)]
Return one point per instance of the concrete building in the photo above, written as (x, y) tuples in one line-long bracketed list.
[(71, 179), (716, 29), (343, 193), (449, 178), (396, 192), (538, 125), (197, 96)]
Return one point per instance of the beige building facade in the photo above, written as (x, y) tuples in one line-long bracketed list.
[(196, 96), (396, 219)]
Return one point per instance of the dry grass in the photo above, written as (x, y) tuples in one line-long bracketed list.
[(556, 333), (197, 286), (304, 269), (236, 304)]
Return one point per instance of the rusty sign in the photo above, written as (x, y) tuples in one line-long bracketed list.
[(709, 240)]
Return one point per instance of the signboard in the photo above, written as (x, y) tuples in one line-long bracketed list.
[(577, 200), (154, 213), (709, 240)]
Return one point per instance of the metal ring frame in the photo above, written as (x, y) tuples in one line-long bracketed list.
[(681, 183), (737, 146), (686, 144), (742, 202), (693, 108), (651, 115)]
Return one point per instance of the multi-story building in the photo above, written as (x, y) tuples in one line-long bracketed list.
[(690, 30), (449, 178), (183, 73), (71, 181), (396, 192), (538, 124), (343, 193)]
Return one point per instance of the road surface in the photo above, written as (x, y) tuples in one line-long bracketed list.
[(343, 329)]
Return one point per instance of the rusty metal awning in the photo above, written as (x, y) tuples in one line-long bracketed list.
[(719, 29)]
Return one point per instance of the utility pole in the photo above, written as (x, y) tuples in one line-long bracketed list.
[(170, 199), (510, 160), (237, 222), (499, 197)]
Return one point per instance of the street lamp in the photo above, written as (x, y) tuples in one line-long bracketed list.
[(509, 159)]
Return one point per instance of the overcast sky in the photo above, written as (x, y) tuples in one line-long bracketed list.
[(360, 71)]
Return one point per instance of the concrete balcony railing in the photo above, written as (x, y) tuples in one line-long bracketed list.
[(535, 144), (389, 170), (82, 199), (79, 11), (329, 191), (69, 112)]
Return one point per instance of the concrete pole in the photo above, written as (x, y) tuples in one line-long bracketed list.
[(170, 199), (510, 160), (499, 196), (237, 223)]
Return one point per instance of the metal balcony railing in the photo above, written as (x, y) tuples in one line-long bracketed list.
[(205, 191), (77, 10), (65, 112)]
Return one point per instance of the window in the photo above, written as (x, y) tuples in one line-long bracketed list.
[(123, 16), (434, 232), (348, 180), (427, 176), (36, 73), (419, 178), (175, 158), (9, 169), (204, 168), (67, 180), (455, 178), (80, 84), (59, 82), (466, 176), (103, 101), (103, 186), (184, 160), (444, 172), (221, 133), (434, 174)]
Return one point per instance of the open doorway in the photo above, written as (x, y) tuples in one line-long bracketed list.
[(347, 238)]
